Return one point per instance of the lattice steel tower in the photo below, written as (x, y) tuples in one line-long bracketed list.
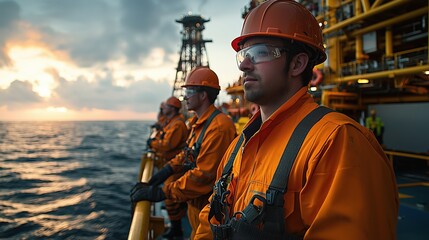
[(193, 51)]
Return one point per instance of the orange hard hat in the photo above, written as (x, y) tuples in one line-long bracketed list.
[(202, 77), (283, 19), (173, 101)]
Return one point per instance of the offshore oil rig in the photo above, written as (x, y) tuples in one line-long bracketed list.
[(377, 53), (193, 52)]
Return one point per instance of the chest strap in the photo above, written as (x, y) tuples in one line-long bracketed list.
[(281, 176), (190, 161)]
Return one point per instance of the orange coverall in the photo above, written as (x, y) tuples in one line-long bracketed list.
[(341, 186), (167, 144), (171, 141), (196, 185)]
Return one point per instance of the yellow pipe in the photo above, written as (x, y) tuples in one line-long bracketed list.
[(376, 3), (365, 6), (359, 49), (140, 224), (389, 42), (384, 74), (387, 23), (358, 8), (360, 17)]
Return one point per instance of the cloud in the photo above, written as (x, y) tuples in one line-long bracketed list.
[(139, 96), (18, 95), (101, 54), (9, 15), (93, 32)]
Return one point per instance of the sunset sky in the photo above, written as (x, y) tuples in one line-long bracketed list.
[(103, 59)]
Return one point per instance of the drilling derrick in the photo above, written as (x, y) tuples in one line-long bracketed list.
[(193, 51)]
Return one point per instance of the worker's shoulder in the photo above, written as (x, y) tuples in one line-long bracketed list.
[(222, 120), (336, 120)]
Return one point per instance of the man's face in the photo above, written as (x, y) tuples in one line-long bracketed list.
[(262, 61), (192, 98), (167, 109)]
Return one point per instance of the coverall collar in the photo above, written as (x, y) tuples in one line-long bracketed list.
[(255, 124), (205, 115)]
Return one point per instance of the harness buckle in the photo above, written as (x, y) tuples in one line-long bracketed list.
[(273, 199), (270, 196)]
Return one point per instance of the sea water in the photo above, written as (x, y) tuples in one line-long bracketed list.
[(68, 180)]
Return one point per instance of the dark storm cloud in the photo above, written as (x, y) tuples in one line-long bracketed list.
[(140, 96), (18, 94), (87, 30), (94, 32), (9, 14), (150, 24)]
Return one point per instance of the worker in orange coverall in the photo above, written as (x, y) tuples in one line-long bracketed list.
[(170, 141), (341, 184), (211, 133), (172, 137)]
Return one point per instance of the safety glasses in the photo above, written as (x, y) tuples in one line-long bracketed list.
[(259, 53), (189, 92)]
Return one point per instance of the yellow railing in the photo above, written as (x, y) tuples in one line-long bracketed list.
[(143, 225), (425, 157), (390, 154)]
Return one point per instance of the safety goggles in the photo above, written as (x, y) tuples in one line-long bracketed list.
[(189, 92), (259, 53)]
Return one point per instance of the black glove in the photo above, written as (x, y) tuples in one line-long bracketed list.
[(149, 141), (161, 175), (143, 191)]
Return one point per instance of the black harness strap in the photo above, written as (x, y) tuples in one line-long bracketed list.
[(228, 167), (281, 176), (218, 207), (206, 125), (197, 145)]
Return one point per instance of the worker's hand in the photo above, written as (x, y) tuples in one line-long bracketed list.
[(149, 142), (143, 191), (161, 175)]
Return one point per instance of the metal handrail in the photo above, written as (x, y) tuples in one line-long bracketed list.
[(390, 154), (141, 218)]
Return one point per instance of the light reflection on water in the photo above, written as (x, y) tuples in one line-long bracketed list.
[(68, 180)]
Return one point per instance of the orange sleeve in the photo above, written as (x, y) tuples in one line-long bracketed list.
[(342, 194), (204, 231)]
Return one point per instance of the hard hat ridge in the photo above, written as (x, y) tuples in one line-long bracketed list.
[(173, 101), (202, 77)]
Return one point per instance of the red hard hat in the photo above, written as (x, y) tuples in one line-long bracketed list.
[(202, 77), (173, 101), (283, 19)]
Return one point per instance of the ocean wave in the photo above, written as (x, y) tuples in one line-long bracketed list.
[(68, 180)]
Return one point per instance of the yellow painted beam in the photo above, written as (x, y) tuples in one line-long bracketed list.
[(370, 13), (385, 74)]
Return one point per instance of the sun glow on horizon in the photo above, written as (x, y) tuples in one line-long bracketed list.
[(45, 69), (57, 109), (65, 114)]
